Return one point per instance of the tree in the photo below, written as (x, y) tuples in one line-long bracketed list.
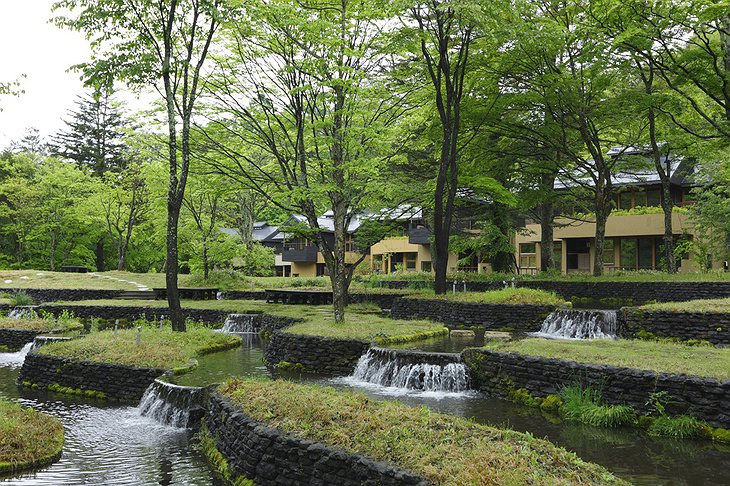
[(124, 202), (94, 135), (165, 44), (303, 115), (445, 34)]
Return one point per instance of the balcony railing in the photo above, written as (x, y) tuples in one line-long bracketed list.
[(419, 236), (307, 254)]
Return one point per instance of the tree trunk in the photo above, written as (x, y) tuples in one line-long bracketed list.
[(100, 264), (173, 294), (667, 207), (547, 230), (206, 267), (603, 209)]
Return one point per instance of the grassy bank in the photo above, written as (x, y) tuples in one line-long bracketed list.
[(158, 348), (645, 355), (444, 449), (516, 296), (702, 305), (44, 325), (370, 328), (27, 438)]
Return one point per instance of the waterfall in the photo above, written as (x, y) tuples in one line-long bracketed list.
[(15, 359), (174, 405), (23, 312), (238, 323), (579, 324), (412, 370)]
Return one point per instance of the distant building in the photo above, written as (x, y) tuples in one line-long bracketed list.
[(634, 230)]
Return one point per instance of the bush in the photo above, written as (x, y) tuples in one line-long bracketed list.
[(584, 405), (679, 427), (21, 298)]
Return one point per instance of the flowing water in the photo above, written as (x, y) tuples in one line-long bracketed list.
[(116, 445), (171, 404), (579, 324), (23, 312), (242, 323)]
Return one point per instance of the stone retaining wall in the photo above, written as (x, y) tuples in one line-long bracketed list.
[(52, 295), (316, 354), (134, 312), (709, 326), (269, 456), (521, 318), (15, 339), (498, 373), (384, 300), (118, 382), (241, 295), (625, 293)]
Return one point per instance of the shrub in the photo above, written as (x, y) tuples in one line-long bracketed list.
[(584, 405), (679, 427)]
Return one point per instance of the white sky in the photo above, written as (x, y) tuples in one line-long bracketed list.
[(30, 45)]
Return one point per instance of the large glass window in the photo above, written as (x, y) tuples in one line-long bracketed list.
[(654, 198), (609, 254), (626, 200), (628, 253), (409, 260), (528, 257), (558, 254)]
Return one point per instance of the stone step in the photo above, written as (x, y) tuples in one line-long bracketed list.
[(137, 295)]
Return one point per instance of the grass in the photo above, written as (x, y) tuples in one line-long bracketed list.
[(27, 438), (158, 348), (370, 328), (680, 427), (41, 324), (446, 450), (584, 405), (702, 361), (701, 305), (516, 296)]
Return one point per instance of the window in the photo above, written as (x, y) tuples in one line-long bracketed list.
[(609, 253), (654, 198), (349, 243), (297, 244), (426, 266), (409, 261), (528, 257), (558, 254)]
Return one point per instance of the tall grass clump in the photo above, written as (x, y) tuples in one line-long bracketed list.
[(679, 427), (584, 405), (21, 298)]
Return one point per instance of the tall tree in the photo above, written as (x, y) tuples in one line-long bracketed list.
[(166, 44), (445, 33), (310, 134)]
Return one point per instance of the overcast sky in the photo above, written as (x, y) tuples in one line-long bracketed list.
[(30, 45)]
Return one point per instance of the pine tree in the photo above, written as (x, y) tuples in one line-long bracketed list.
[(94, 137)]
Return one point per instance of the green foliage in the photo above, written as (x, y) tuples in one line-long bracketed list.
[(512, 296), (217, 461), (21, 298), (552, 403), (657, 403), (583, 404), (420, 440), (679, 427), (27, 438)]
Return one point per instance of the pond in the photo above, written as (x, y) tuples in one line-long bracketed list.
[(114, 445)]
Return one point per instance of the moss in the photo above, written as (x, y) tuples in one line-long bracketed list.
[(66, 390), (721, 435), (290, 367), (551, 403), (29, 439), (522, 396), (218, 462)]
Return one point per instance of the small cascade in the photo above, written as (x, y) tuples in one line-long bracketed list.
[(412, 370), (173, 405), (43, 340), (23, 312), (240, 323), (15, 359), (579, 324)]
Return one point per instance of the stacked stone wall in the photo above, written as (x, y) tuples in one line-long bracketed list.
[(117, 382), (316, 354), (270, 457), (708, 326), (520, 318), (499, 374)]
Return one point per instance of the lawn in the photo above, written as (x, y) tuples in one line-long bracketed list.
[(703, 305), (705, 361), (446, 450), (158, 348), (27, 437), (369, 327), (516, 296), (41, 324)]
